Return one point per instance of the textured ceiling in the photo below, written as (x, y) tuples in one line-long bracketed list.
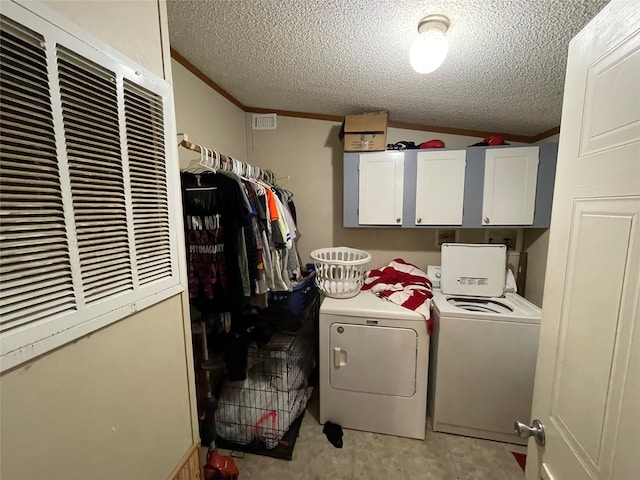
[(504, 71)]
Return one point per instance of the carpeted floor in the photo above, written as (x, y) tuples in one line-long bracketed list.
[(372, 456)]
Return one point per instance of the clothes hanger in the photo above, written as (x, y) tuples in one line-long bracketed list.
[(284, 181), (196, 165), (253, 178), (205, 161), (204, 167)]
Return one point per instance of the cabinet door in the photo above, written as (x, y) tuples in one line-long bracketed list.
[(381, 177), (440, 187), (510, 179)]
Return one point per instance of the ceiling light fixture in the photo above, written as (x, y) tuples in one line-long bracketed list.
[(430, 48)]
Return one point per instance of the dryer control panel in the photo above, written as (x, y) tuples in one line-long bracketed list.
[(433, 272)]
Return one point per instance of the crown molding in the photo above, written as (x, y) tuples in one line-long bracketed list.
[(289, 113), (545, 134), (177, 56)]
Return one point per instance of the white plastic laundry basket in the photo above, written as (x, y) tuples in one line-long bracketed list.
[(340, 270)]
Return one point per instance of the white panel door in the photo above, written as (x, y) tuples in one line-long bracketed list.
[(372, 359), (440, 187), (587, 391), (381, 181), (510, 179)]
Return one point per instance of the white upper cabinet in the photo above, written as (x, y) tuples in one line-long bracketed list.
[(440, 187), (474, 187), (510, 180), (381, 183)]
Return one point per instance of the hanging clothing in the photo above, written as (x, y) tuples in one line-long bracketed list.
[(215, 213)]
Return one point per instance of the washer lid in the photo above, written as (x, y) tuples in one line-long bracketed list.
[(366, 304), (515, 308), (477, 270), (479, 304)]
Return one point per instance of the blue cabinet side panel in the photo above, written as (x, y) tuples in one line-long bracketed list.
[(473, 188), (546, 182), (351, 190), (409, 194)]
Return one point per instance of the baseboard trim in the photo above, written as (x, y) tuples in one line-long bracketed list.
[(189, 466)]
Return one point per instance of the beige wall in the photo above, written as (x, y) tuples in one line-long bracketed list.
[(536, 244), (117, 403), (114, 404), (310, 152), (451, 141), (129, 26), (304, 150), (207, 117)]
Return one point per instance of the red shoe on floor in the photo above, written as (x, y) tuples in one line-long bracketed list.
[(220, 467)]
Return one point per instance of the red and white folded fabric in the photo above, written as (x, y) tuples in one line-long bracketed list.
[(403, 284)]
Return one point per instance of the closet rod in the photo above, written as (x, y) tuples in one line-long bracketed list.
[(267, 175)]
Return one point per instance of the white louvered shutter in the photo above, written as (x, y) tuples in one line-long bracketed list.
[(35, 269), (89, 229), (92, 139), (148, 172)]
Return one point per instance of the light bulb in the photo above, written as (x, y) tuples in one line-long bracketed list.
[(428, 51)]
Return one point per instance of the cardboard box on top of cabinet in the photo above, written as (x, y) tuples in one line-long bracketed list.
[(365, 133)]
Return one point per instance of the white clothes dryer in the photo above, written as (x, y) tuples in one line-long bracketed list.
[(373, 366), (483, 348)]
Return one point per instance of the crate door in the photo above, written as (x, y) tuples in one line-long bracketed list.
[(372, 359)]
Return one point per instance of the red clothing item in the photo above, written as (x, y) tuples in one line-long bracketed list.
[(403, 284)]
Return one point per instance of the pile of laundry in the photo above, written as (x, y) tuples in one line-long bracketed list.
[(265, 404), (403, 284)]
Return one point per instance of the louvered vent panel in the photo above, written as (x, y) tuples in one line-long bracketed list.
[(35, 270), (89, 104), (147, 166)]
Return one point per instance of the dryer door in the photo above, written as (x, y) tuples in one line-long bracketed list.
[(373, 359)]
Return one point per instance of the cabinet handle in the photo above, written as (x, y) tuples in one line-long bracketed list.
[(419, 220), (486, 220), (398, 220)]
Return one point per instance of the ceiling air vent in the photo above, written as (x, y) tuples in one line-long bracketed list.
[(266, 121)]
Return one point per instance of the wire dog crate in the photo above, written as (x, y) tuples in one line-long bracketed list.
[(260, 409)]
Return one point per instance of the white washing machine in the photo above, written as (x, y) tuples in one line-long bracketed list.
[(373, 366), (483, 347)]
